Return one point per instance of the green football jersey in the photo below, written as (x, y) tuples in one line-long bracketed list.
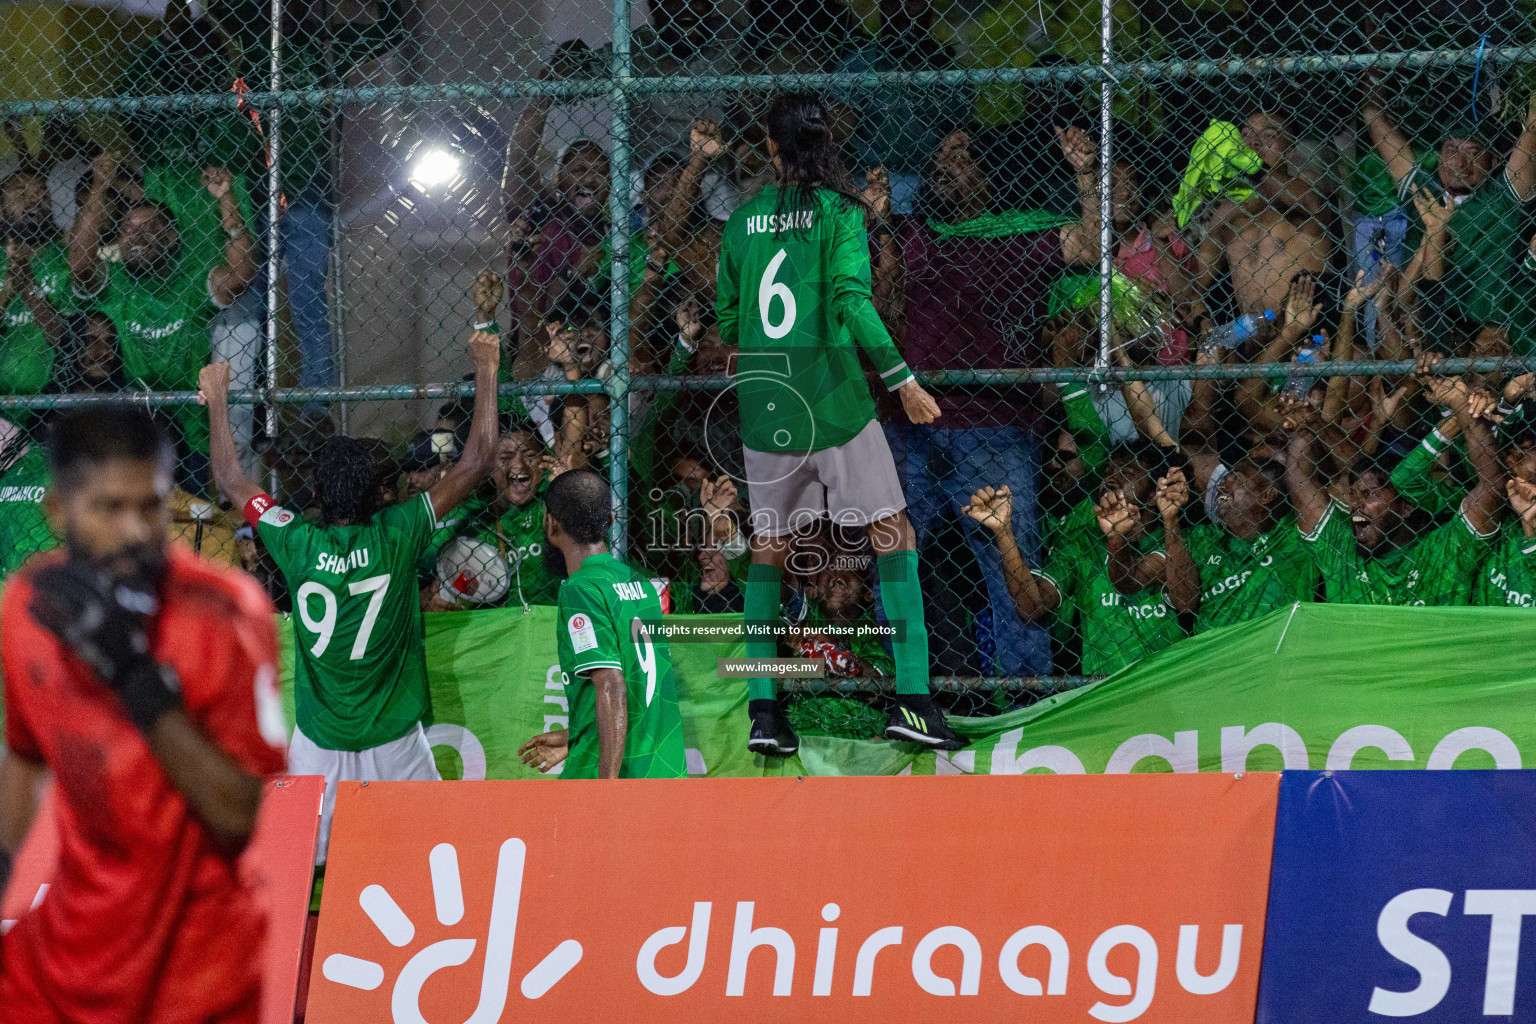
[(1242, 579), (1077, 527), (518, 536), (26, 355), (1508, 580), (1416, 482), (608, 612), (1437, 569), (1117, 629), (162, 329), (360, 668), (793, 291), (23, 527)]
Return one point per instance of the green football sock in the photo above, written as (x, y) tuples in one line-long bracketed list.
[(902, 599), (761, 608)]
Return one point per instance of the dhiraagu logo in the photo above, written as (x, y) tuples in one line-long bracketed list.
[(397, 927)]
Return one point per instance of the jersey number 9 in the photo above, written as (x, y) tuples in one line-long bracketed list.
[(645, 651)]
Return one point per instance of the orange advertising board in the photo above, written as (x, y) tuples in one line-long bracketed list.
[(1046, 898)]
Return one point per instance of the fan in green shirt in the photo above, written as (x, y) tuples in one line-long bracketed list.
[(837, 625), (1253, 561), (512, 522), (35, 293), (190, 54), (1482, 277), (1417, 477), (1509, 578), (1368, 551), (164, 290), (1123, 589), (360, 665), (614, 662), (24, 529)]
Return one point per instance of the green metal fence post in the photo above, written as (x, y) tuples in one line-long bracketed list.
[(1106, 217), (618, 247), (274, 211)]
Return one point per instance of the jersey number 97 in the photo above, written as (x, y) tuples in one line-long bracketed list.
[(324, 627)]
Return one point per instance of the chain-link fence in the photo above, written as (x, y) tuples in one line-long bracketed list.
[(1177, 271)]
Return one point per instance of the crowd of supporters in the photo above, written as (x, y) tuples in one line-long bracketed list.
[(1067, 529)]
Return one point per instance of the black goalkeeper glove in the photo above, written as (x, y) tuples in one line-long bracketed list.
[(105, 621)]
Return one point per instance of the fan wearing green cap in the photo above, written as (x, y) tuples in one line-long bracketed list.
[(1481, 279)]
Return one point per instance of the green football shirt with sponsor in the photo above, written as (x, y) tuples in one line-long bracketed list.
[(1437, 569), (162, 323), (360, 669), (1245, 579), (1117, 629), (518, 536), (23, 527), (793, 291), (1482, 275), (1508, 579), (26, 355), (1416, 482), (608, 614)]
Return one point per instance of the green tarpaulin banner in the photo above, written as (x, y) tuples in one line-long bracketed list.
[(1314, 686)]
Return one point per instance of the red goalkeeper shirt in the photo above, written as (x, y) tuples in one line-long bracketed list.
[(144, 921)]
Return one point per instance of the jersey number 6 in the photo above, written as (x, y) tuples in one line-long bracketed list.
[(767, 290)]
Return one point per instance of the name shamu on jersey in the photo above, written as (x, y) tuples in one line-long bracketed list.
[(338, 564), (778, 223)]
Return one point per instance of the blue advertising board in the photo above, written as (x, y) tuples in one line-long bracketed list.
[(1402, 895)]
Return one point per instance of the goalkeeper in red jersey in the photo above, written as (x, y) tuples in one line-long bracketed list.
[(143, 679)]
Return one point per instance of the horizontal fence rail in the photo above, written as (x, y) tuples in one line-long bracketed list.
[(1121, 73), (938, 378)]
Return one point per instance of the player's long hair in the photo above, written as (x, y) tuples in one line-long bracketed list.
[(346, 481), (808, 155)]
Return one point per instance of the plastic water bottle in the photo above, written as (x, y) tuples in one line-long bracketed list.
[(1299, 387), (1233, 334)]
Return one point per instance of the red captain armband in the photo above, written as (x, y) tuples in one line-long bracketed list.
[(258, 507)]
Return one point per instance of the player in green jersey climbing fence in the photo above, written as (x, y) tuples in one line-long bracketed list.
[(794, 294), (614, 660), (360, 685)]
